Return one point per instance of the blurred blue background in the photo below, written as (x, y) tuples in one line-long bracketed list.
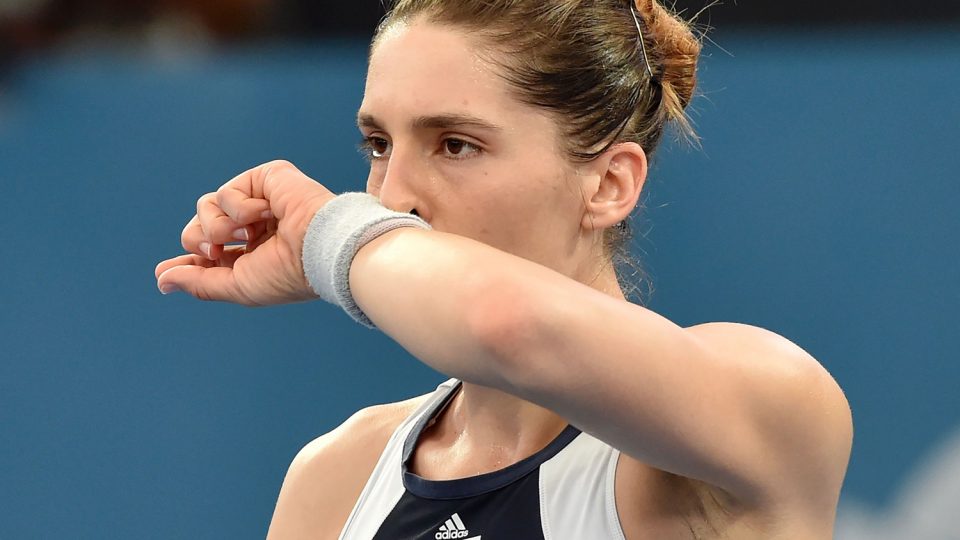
[(822, 206)]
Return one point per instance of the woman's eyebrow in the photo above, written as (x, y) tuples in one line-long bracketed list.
[(368, 121), (445, 121), (441, 121)]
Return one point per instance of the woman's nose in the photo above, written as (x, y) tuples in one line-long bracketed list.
[(403, 187)]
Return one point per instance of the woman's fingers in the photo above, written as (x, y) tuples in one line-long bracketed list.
[(269, 191), (181, 261), (215, 283), (201, 277), (229, 258), (266, 210), (212, 227), (235, 200), (218, 228), (194, 240)]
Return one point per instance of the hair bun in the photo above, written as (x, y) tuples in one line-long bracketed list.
[(676, 48)]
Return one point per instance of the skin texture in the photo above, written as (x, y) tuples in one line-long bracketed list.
[(727, 430)]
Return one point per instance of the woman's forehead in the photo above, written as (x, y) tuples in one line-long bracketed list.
[(434, 69)]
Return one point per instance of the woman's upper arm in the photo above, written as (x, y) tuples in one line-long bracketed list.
[(732, 405), (304, 505)]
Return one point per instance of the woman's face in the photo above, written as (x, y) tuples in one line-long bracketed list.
[(447, 139)]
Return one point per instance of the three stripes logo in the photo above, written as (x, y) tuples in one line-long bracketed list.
[(454, 529)]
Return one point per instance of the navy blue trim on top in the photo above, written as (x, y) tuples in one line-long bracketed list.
[(462, 488)]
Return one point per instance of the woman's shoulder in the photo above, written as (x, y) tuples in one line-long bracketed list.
[(763, 355), (328, 474), (365, 432), (797, 405), (760, 350)]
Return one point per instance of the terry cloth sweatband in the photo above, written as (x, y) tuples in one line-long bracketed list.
[(335, 235)]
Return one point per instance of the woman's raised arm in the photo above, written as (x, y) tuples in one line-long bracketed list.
[(735, 406)]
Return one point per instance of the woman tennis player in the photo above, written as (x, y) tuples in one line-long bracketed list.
[(508, 142)]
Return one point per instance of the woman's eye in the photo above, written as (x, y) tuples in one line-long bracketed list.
[(459, 149), (375, 147), (454, 146), (379, 147)]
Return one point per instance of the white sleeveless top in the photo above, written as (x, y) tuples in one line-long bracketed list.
[(563, 492)]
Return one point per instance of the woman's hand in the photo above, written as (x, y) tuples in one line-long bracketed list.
[(268, 208)]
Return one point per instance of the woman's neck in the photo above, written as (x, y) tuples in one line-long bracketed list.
[(493, 421)]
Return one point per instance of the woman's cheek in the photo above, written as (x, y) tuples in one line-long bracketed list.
[(374, 182)]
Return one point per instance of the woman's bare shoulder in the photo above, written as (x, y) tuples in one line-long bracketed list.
[(798, 409), (360, 440), (366, 427), (327, 475)]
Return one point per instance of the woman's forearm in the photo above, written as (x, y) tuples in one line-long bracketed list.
[(442, 297)]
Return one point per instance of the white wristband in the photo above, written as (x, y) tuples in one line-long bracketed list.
[(335, 235)]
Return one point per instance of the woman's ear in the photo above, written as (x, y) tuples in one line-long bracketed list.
[(622, 170)]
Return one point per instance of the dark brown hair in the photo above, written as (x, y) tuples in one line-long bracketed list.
[(583, 60)]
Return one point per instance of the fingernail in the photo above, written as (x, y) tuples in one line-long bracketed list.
[(205, 248), (267, 214), (241, 234), (169, 288)]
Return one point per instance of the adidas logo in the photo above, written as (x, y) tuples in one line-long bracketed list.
[(454, 529)]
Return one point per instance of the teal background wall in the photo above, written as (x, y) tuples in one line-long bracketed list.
[(823, 206)]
